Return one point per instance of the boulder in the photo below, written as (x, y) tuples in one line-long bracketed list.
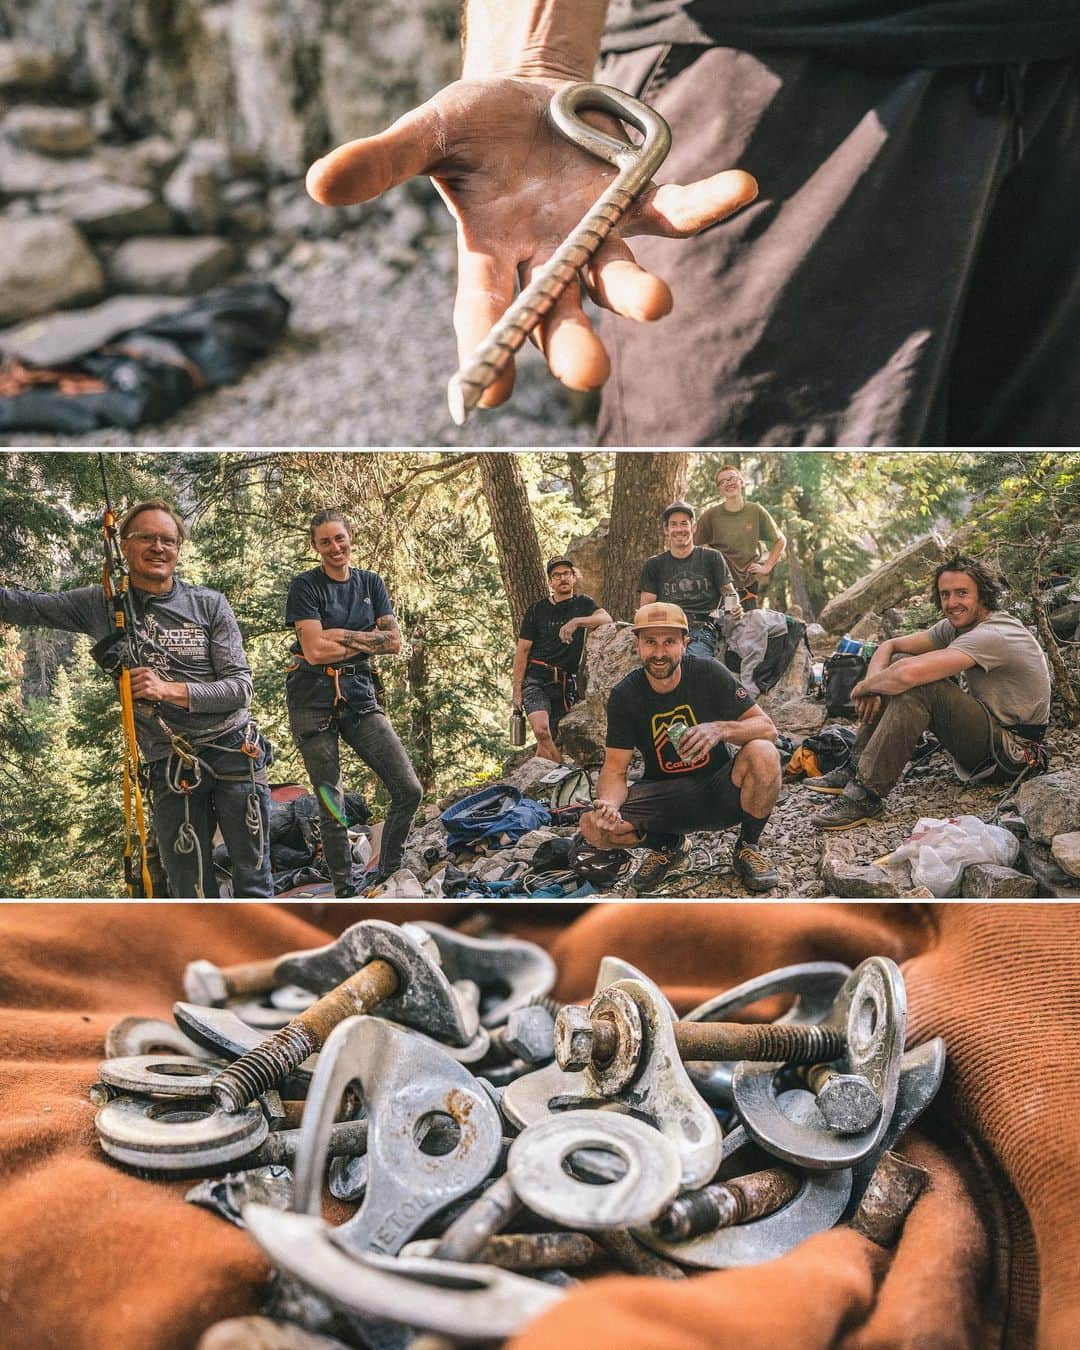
[(1050, 804), (589, 553), (24, 65), (988, 881), (1065, 849), (45, 263), (870, 881), (526, 777), (798, 716), (193, 190), (24, 173), (1052, 881), (887, 585), (1066, 621), (111, 210), (868, 629), (52, 131), (611, 653), (172, 266)]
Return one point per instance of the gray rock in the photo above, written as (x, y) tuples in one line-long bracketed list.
[(25, 65), (526, 778), (611, 654), (868, 629), (292, 212), (52, 131), (870, 881), (798, 716), (1050, 804), (887, 585), (111, 210), (172, 266), (1066, 851), (45, 264), (1053, 882), (988, 881), (25, 172), (193, 188)]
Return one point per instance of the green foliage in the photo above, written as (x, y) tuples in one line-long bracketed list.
[(420, 519)]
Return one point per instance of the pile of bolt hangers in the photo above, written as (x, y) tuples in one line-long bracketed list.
[(500, 1145)]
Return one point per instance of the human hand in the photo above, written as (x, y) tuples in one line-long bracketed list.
[(757, 569), (516, 188), (567, 631), (866, 706), (148, 686), (699, 740), (607, 813)]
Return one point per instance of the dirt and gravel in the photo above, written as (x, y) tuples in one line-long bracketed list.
[(795, 848), (369, 349)]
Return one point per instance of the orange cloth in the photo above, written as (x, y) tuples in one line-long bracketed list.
[(91, 1256)]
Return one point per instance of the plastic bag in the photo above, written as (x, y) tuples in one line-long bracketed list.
[(939, 850)]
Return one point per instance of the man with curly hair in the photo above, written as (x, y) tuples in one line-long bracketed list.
[(992, 724)]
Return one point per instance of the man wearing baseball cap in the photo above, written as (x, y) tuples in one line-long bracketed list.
[(682, 713), (549, 650), (694, 578)]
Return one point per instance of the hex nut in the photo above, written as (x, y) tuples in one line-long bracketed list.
[(530, 1034), (573, 1038), (204, 984), (848, 1103)]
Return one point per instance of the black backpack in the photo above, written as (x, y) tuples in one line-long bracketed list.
[(778, 655), (842, 672)]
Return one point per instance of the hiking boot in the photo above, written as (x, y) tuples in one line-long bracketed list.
[(854, 807), (655, 866), (753, 868), (835, 781)]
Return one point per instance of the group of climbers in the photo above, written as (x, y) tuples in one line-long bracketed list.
[(709, 750)]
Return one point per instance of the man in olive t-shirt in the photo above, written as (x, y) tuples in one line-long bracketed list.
[(737, 528), (992, 728)]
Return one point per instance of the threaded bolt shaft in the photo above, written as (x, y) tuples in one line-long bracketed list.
[(265, 1066), (725, 1204), (783, 1042)]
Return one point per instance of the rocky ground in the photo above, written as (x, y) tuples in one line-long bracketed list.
[(365, 362)]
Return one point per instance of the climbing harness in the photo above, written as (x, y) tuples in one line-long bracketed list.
[(115, 583), (184, 771), (567, 683), (333, 672)]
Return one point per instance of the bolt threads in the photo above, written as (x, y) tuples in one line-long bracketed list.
[(780, 1042), (725, 1204), (263, 1067), (549, 1004)]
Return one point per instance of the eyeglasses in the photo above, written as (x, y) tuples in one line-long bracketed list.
[(561, 576), (167, 541)]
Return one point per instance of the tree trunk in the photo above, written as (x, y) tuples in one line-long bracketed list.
[(800, 592), (520, 563), (645, 482), (421, 732)]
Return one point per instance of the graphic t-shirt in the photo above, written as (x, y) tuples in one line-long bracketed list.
[(638, 717), (1010, 676), (541, 625), (737, 534), (695, 582), (355, 604)]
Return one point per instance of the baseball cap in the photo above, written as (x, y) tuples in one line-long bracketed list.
[(552, 563), (684, 507), (659, 615)]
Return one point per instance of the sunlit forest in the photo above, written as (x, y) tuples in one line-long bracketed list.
[(460, 540)]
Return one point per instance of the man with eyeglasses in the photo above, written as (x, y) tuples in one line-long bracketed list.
[(550, 646), (737, 529), (192, 686)]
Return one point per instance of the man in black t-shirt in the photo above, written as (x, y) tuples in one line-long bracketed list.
[(549, 650), (693, 577), (682, 712)]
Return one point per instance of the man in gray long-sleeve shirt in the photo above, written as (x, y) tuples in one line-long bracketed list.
[(190, 679)]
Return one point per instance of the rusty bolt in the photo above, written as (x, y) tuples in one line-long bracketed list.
[(210, 985), (287, 1049), (846, 1101), (725, 1204)]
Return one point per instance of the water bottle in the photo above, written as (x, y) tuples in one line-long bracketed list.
[(731, 598), (518, 724)]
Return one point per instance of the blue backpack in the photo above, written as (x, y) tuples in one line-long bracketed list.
[(492, 812)]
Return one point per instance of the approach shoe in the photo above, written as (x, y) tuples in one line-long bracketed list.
[(854, 807), (835, 781), (753, 869), (654, 867)]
